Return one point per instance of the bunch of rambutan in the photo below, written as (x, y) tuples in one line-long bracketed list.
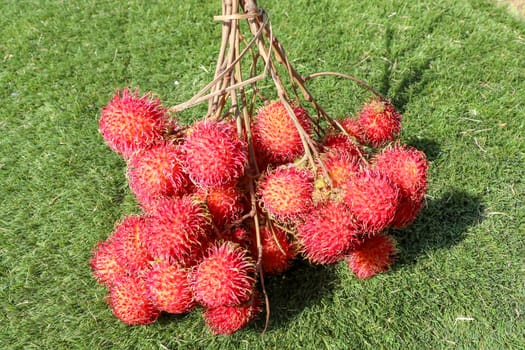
[(196, 244)]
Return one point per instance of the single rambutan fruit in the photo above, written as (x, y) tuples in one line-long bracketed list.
[(105, 265), (373, 256), (169, 288), (129, 239), (157, 172), (327, 233), (373, 198), (277, 250), (130, 123), (380, 122), (129, 301), (407, 211), (225, 203), (178, 230), (340, 166), (235, 234), (225, 277), (354, 128), (286, 192), (339, 143), (275, 136), (407, 167), (226, 320), (214, 154)]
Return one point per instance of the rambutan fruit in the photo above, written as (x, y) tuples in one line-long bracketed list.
[(129, 239), (380, 122), (286, 192), (354, 128), (373, 256), (214, 154), (327, 233), (339, 143), (130, 123), (407, 167), (178, 230), (277, 250), (225, 203), (235, 234), (225, 277), (157, 172), (226, 320), (373, 198), (340, 166), (407, 211), (275, 136), (169, 288), (129, 301), (105, 265)]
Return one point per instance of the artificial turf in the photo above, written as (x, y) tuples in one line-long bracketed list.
[(455, 69)]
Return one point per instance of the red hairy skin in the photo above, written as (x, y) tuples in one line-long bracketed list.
[(157, 172), (327, 233), (226, 320), (105, 265), (275, 136), (214, 154), (129, 301), (286, 192), (354, 128), (225, 277), (169, 288), (376, 254), (380, 123), (225, 203), (129, 240), (373, 199), (277, 250), (130, 123), (178, 230)]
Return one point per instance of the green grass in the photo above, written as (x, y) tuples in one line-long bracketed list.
[(455, 69)]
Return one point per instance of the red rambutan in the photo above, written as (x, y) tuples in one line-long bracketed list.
[(373, 256), (286, 192), (340, 143), (224, 277), (340, 166), (327, 233), (224, 203), (380, 122), (129, 239), (178, 230), (354, 128), (227, 320), (130, 123), (129, 301), (214, 154), (277, 251), (105, 265), (157, 172), (372, 198), (169, 288), (275, 136)]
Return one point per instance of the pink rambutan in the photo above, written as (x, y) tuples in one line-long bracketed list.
[(354, 128), (224, 203), (340, 143), (129, 301), (277, 250), (407, 211), (275, 136), (373, 256), (340, 166), (169, 288), (225, 277), (129, 239), (214, 154), (130, 123), (380, 122), (178, 230), (327, 233), (227, 320), (105, 265), (373, 198), (286, 192), (407, 167), (157, 172)]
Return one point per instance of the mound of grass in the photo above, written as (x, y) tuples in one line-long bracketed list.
[(454, 68)]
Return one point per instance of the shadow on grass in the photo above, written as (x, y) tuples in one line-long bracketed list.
[(431, 148), (442, 223), (302, 286)]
